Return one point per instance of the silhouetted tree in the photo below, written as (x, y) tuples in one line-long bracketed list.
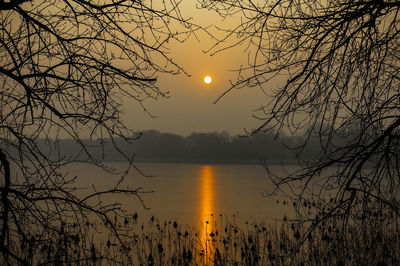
[(331, 70), (65, 69)]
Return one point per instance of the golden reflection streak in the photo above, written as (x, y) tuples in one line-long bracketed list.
[(206, 211)]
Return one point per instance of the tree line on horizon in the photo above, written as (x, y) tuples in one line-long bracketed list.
[(215, 147)]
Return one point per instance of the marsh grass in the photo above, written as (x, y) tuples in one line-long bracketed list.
[(155, 242)]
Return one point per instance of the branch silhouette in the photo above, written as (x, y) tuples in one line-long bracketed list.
[(65, 68), (330, 70)]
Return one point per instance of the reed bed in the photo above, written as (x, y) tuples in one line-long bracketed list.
[(156, 242)]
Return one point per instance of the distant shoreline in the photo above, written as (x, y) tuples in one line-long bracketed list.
[(197, 148), (215, 162)]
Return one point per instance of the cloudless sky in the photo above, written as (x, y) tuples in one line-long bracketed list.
[(190, 106)]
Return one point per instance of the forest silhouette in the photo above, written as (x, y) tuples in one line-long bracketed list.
[(215, 147)]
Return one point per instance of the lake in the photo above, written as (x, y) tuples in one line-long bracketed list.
[(195, 196), (191, 193)]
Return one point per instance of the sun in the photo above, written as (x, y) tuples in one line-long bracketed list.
[(207, 79)]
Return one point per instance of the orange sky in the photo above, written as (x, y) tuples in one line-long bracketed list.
[(190, 107)]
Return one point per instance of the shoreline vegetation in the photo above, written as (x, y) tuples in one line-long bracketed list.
[(155, 242), (197, 148)]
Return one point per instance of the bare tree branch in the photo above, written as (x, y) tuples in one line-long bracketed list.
[(66, 66), (330, 71)]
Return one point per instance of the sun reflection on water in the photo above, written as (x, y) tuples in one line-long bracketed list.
[(206, 210)]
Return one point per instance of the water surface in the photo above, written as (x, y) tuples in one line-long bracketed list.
[(194, 194)]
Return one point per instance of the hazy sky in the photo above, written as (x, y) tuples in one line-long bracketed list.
[(190, 107)]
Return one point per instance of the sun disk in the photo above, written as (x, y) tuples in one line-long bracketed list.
[(207, 79)]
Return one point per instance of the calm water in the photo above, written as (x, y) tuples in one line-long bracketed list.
[(190, 193)]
